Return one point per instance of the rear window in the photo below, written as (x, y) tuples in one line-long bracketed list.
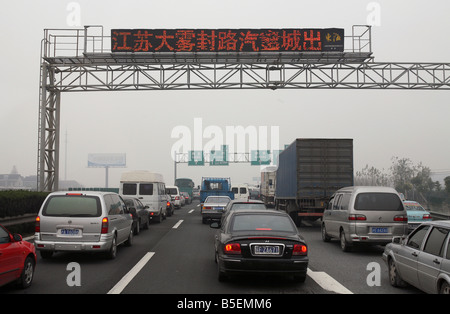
[(378, 201), (146, 189), (262, 223), (129, 189), (171, 191), (72, 206), (221, 200), (415, 207), (248, 206)]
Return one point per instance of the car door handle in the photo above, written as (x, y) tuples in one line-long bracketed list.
[(414, 254), (436, 261)]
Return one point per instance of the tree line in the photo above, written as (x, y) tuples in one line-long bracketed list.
[(413, 180)]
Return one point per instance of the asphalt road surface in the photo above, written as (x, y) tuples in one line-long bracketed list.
[(177, 257)]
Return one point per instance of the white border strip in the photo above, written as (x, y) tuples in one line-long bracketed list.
[(327, 282), (118, 288)]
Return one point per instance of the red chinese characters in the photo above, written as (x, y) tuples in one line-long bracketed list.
[(226, 40)]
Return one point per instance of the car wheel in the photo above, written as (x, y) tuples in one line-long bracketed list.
[(112, 253), (129, 241), (27, 273), (394, 277), (345, 246), (137, 229), (445, 288), (147, 223), (325, 236)]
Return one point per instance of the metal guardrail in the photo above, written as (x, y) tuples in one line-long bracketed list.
[(439, 216), (10, 221)]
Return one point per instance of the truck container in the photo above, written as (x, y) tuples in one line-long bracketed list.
[(309, 172), (216, 187), (267, 187)]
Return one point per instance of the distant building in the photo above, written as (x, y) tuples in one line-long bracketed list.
[(14, 181)]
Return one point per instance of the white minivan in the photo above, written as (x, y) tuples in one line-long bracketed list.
[(149, 188), (241, 192), (175, 195)]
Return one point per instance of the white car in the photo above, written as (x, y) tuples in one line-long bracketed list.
[(174, 193)]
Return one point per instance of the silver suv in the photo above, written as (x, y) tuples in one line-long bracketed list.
[(83, 222), (364, 215)]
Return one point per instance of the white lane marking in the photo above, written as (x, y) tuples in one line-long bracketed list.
[(177, 224), (327, 282), (118, 288), (198, 205), (190, 212)]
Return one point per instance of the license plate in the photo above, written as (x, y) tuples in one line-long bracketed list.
[(218, 208), (70, 232), (266, 250), (379, 230)]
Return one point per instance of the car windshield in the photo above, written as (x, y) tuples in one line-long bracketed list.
[(217, 200), (248, 206), (72, 206), (4, 236), (262, 222), (378, 201)]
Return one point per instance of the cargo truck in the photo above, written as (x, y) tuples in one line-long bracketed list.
[(215, 187), (309, 172), (267, 188)]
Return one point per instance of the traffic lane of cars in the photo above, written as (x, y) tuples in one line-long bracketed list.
[(98, 275), (184, 263)]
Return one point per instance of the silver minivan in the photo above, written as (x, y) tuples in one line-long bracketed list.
[(365, 215), (82, 222)]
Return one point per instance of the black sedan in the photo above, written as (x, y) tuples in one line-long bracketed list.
[(261, 242), (139, 213)]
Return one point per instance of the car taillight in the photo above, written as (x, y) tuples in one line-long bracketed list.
[(426, 216), (105, 225), (177, 198), (37, 226), (356, 217), (300, 249), (401, 218), (232, 248), (206, 207)]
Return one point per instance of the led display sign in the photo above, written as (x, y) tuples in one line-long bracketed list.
[(227, 40)]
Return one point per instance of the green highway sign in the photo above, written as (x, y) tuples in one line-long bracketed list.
[(219, 157), (196, 158), (260, 157)]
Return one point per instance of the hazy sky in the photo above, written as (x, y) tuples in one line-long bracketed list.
[(383, 123)]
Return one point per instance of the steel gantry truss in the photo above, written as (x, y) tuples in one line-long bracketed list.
[(79, 60)]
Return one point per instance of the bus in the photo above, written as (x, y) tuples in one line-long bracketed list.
[(185, 185)]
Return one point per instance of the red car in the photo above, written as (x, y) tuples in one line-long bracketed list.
[(17, 259)]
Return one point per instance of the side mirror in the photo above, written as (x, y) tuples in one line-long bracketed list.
[(132, 210), (397, 240), (17, 237), (215, 225)]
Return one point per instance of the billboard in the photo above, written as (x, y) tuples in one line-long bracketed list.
[(107, 160), (227, 40)]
